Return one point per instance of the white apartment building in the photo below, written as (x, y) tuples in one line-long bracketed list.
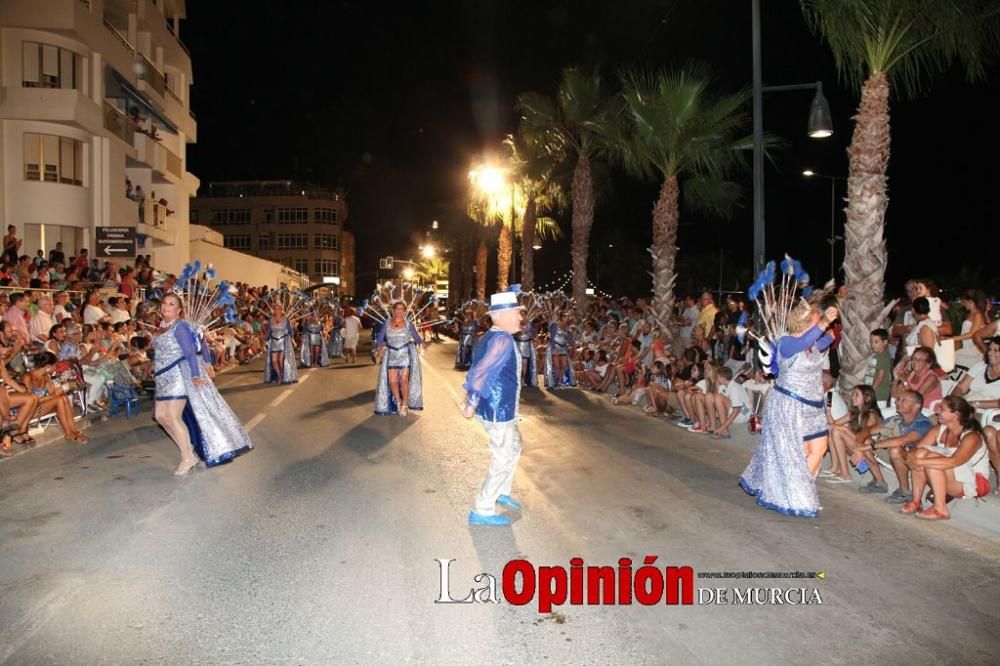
[(95, 99)]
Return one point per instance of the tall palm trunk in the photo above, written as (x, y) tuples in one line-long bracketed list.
[(666, 217), (865, 255), (466, 244), (583, 220), (505, 251), (527, 245), (481, 254)]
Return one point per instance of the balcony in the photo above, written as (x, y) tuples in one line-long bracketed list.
[(150, 75), (118, 124), (119, 36), (152, 154)]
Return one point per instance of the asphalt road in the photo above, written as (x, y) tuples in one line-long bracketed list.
[(319, 546)]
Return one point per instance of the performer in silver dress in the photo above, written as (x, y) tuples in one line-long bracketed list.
[(314, 352), (558, 364), (782, 472), (525, 338), (400, 383), (280, 349), (187, 404), (466, 337), (335, 345)]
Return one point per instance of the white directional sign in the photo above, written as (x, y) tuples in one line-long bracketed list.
[(115, 242)]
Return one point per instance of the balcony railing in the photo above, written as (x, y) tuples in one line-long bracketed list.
[(170, 27), (151, 75), (118, 124), (174, 164), (174, 95), (121, 38)]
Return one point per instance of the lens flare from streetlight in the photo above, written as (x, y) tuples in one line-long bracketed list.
[(808, 172), (408, 273), (487, 178), (428, 251)]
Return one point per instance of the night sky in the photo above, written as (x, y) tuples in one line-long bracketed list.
[(393, 104)]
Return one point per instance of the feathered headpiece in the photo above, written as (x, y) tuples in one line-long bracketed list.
[(415, 298), (206, 306), (777, 300)]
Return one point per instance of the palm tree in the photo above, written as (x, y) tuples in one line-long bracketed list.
[(432, 269), (671, 128), (564, 129), (484, 215), (880, 45), (543, 194)]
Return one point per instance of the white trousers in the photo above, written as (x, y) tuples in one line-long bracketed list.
[(505, 449)]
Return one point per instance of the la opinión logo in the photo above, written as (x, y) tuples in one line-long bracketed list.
[(521, 582)]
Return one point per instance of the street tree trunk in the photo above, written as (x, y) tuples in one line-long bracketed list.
[(505, 251), (466, 244), (481, 256), (527, 245), (583, 220), (666, 217), (865, 255)]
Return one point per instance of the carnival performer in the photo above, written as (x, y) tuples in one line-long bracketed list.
[(525, 338), (187, 404), (493, 390), (280, 367), (558, 368), (466, 337), (782, 472), (314, 351), (400, 384), (335, 344)]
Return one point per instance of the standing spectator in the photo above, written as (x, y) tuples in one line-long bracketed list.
[(352, 328), (57, 256), (82, 260), (11, 245), (878, 375), (706, 320), (689, 317)]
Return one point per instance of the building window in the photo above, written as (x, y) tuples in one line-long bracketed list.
[(293, 215), (327, 267), (237, 241), (325, 216), (301, 265), (265, 242), (268, 216), (45, 66), (226, 216), (325, 242), (53, 159), (293, 241)]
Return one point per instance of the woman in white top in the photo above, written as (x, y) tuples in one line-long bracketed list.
[(924, 333), (352, 329), (972, 348), (951, 459), (981, 387)]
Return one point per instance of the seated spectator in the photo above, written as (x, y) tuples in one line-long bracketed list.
[(981, 388), (729, 405), (661, 385), (119, 312), (51, 400), (951, 459), (919, 373), (92, 312), (899, 436), (924, 332), (849, 434)]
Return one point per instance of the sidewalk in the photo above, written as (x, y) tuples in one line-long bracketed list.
[(977, 517)]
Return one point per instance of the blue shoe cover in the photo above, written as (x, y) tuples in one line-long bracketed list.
[(509, 502), (480, 519)]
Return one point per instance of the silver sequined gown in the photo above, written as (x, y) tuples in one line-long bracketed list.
[(279, 339), (216, 433), (778, 475), (400, 352), (312, 336), (560, 342)]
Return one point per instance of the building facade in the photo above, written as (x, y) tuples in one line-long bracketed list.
[(295, 224), (95, 120)]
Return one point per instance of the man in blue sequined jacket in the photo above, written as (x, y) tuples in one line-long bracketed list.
[(493, 389)]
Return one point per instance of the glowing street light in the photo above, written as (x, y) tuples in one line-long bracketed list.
[(408, 273), (428, 251), (487, 179)]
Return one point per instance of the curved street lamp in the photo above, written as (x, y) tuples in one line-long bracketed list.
[(832, 240)]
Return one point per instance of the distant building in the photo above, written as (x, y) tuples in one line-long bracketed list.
[(295, 224), (95, 118)]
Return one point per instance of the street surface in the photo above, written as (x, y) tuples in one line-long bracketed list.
[(319, 547)]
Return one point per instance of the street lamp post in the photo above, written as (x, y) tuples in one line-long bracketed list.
[(820, 126), (832, 240)]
